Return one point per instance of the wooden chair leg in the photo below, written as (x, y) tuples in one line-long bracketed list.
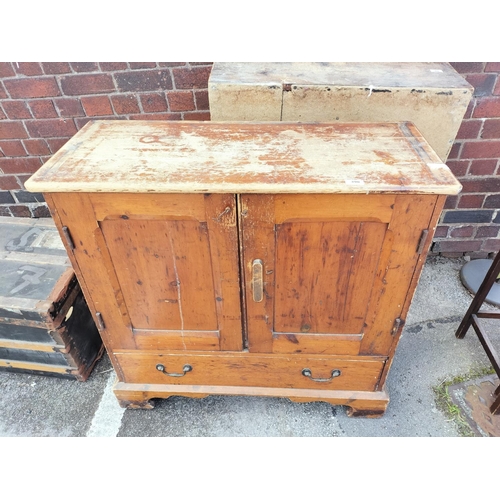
[(481, 294), (495, 407)]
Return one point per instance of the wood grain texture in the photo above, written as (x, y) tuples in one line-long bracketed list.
[(258, 242), (412, 214), (173, 275), (324, 275), (34, 346), (266, 157), (321, 277), (93, 266), (132, 205), (164, 270), (221, 215), (370, 404), (436, 213), (316, 343), (177, 340), (37, 367), (257, 370), (325, 207)]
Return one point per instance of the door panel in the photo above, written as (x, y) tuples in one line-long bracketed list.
[(168, 271), (325, 274), (164, 269)]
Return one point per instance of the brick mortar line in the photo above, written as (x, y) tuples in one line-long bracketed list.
[(115, 85), (110, 103), (174, 86), (18, 180), (121, 92), (139, 103), (101, 71), (476, 139), (97, 117), (482, 207), (116, 89), (476, 177), (109, 95), (34, 204)]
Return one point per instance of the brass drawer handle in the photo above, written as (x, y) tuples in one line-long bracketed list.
[(307, 373), (185, 369), (257, 284)]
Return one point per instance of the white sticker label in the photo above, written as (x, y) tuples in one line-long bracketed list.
[(355, 182), (436, 70)]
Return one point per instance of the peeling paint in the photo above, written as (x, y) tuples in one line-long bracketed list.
[(223, 157)]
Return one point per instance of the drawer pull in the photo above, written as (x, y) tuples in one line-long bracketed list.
[(307, 373), (185, 369)]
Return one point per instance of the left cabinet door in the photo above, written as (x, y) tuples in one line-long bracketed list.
[(160, 271)]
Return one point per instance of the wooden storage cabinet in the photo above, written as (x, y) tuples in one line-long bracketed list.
[(256, 259)]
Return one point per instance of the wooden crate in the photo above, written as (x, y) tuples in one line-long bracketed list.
[(45, 324), (431, 95)]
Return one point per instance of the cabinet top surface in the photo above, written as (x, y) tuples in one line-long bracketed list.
[(245, 157), (338, 74)]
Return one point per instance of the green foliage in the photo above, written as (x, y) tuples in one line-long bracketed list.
[(445, 404)]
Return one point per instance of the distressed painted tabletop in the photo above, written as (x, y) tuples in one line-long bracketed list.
[(245, 157)]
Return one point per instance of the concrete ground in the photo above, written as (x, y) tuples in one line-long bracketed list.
[(427, 355)]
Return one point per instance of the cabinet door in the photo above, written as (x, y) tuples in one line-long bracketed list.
[(162, 270), (329, 274)]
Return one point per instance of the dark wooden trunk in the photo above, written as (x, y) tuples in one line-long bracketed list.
[(45, 324)]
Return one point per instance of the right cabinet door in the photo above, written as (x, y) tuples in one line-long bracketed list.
[(329, 273)]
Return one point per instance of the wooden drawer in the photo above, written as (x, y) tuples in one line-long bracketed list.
[(250, 370)]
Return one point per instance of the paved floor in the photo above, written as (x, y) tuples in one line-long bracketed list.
[(474, 399), (427, 355)]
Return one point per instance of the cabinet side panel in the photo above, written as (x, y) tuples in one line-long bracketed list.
[(75, 211), (412, 215), (414, 282)]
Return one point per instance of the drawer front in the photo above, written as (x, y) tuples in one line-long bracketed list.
[(245, 369)]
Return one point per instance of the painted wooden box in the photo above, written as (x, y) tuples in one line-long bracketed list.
[(45, 324), (431, 95)]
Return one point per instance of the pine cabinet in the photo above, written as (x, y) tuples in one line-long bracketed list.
[(241, 258)]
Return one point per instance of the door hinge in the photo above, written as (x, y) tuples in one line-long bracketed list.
[(100, 321), (69, 239), (398, 323), (421, 242)]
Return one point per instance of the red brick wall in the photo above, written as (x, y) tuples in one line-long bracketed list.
[(43, 104), (471, 221)]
